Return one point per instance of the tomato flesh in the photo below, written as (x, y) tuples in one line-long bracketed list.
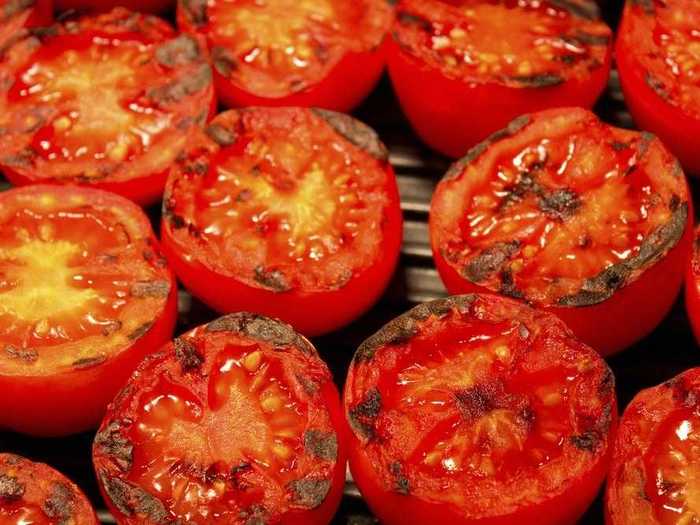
[(16, 17), (247, 439), (484, 394)]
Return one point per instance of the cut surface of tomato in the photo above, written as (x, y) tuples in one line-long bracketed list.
[(478, 409), (566, 212), (236, 422), (84, 294), (36, 494), (107, 101), (450, 59), (292, 52), (654, 477), (17, 16), (290, 212)]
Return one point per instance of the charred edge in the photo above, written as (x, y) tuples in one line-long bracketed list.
[(363, 415), (28, 355), (178, 52), (645, 140), (222, 135), (111, 328), (355, 132), (476, 401), (490, 260), (274, 280), (401, 483), (89, 362), (11, 489), (656, 85), (591, 39), (619, 146), (13, 7), (508, 286), (22, 159), (511, 129), (683, 394), (196, 10), (538, 81), (60, 504), (404, 327), (134, 501), (224, 63), (411, 19), (589, 441), (323, 445), (277, 333), (598, 288), (114, 445), (308, 385), (140, 331), (309, 492), (647, 6), (153, 289), (179, 89), (255, 515), (187, 355), (580, 8), (606, 387), (560, 204)]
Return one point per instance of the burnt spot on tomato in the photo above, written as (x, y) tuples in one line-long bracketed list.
[(588, 441), (188, 356), (178, 51), (490, 260), (21, 159), (28, 355), (132, 500), (12, 7), (363, 415), (657, 86), (60, 503), (179, 89), (541, 80), (591, 39), (402, 485), (406, 18), (356, 132), (255, 515), (196, 11), (86, 363), (112, 442), (275, 280), (323, 445), (587, 9), (223, 61), (11, 489), (560, 204), (647, 6), (140, 331), (154, 289), (309, 492), (223, 135)]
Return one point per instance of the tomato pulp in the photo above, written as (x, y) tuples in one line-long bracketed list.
[(478, 409), (84, 296), (311, 53), (658, 58), (591, 222), (464, 69), (290, 212), (36, 494), (235, 422), (107, 101)]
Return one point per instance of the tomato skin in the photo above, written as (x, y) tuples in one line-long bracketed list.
[(449, 114), (692, 288), (148, 6)]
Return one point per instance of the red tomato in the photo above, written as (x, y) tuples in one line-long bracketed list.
[(237, 422), (18, 15), (478, 410), (463, 70), (588, 221), (84, 296), (107, 101), (35, 494), (658, 53), (150, 6), (320, 53), (692, 287), (653, 474), (293, 213)]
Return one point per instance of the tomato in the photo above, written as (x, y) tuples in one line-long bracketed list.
[(150, 6), (290, 212), (653, 477), (320, 53), (658, 58), (84, 296), (36, 494), (692, 287), (478, 409), (16, 16), (464, 69), (588, 221), (237, 422), (107, 101)]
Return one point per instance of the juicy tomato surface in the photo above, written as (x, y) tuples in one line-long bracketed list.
[(107, 101), (290, 212), (572, 215), (320, 53), (16, 16), (653, 478), (84, 296), (150, 6), (235, 422), (658, 58), (692, 287), (464, 69), (478, 409), (36, 494)]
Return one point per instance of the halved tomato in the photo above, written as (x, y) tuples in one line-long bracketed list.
[(84, 296), (658, 58), (692, 287), (591, 222), (654, 477), (237, 422), (16, 16), (478, 410), (36, 494), (290, 212), (311, 53), (463, 69), (107, 101), (149, 6)]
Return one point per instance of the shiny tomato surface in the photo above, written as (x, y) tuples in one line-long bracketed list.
[(572, 215), (658, 58), (237, 422), (18, 16), (107, 101), (290, 212), (84, 296), (463, 69), (36, 494), (478, 409), (312, 53)]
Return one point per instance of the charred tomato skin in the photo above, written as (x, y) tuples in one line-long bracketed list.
[(148, 6), (311, 311), (645, 95), (189, 363), (692, 287), (597, 323), (448, 114), (16, 17), (35, 491), (398, 504), (63, 400), (342, 88)]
